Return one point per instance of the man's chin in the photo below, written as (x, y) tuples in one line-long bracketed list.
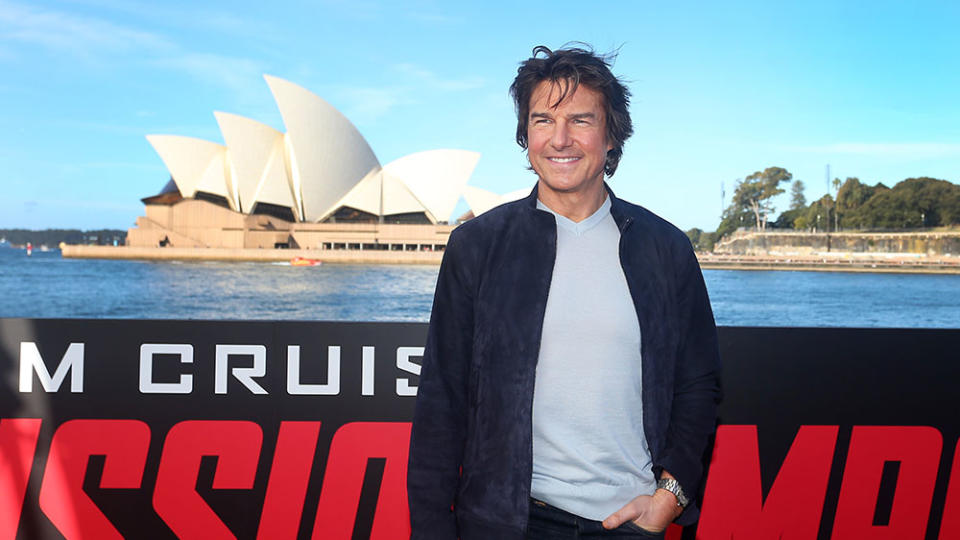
[(567, 187)]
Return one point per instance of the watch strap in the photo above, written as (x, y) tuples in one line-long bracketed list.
[(671, 485)]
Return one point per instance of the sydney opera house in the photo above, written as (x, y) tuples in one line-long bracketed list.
[(316, 186)]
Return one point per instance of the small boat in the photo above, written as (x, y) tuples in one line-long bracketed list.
[(303, 261)]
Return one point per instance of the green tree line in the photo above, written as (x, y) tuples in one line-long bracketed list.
[(911, 204), (53, 237)]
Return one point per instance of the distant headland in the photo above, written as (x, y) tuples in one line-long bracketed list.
[(54, 237)]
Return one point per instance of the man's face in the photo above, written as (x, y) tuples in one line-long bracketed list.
[(567, 144)]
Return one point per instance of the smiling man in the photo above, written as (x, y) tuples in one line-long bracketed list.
[(571, 372), (567, 147)]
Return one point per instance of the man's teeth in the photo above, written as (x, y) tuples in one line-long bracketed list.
[(564, 159)]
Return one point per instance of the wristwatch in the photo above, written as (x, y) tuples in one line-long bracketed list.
[(671, 485)]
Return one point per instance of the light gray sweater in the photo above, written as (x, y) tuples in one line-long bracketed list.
[(590, 455)]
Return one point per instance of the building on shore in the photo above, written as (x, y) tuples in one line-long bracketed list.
[(318, 186)]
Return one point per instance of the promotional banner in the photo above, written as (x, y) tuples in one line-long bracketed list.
[(836, 433), (273, 430)]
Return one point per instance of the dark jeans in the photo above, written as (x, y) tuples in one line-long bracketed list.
[(551, 523)]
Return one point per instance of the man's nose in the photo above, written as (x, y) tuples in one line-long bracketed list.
[(561, 136)]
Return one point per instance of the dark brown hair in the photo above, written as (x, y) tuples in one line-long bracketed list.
[(568, 68)]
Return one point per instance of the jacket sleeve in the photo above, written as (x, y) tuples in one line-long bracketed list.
[(440, 416), (696, 391)]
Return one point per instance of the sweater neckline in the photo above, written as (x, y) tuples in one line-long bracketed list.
[(582, 227)]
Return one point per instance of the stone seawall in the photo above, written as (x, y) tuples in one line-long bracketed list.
[(914, 243), (251, 255)]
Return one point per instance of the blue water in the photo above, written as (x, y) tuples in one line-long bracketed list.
[(46, 285), (782, 298)]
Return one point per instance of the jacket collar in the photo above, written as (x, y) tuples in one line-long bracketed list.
[(619, 209)]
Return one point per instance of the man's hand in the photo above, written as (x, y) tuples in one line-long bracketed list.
[(651, 512)]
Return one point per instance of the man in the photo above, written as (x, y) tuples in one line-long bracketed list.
[(571, 371)]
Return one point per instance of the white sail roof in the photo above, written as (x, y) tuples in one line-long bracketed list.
[(256, 159), (196, 165), (395, 197), (435, 177), (481, 200), (328, 155)]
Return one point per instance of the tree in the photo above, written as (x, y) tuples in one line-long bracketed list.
[(816, 215), (788, 218), (927, 197), (851, 197), (950, 211), (852, 194), (732, 219), (756, 191), (701, 241), (827, 203), (797, 199), (886, 211), (914, 202)]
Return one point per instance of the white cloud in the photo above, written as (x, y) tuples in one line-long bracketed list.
[(190, 16), (238, 74), (430, 79), (70, 34), (413, 70), (371, 103), (364, 103), (229, 22), (97, 40)]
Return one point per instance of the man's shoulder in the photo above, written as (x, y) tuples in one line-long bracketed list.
[(653, 225), (492, 221), (472, 241)]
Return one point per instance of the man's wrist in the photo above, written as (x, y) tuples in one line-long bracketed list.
[(665, 498), (669, 484)]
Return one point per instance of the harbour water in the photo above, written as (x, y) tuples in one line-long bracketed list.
[(48, 286)]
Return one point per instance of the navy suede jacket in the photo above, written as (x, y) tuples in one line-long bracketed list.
[(471, 446)]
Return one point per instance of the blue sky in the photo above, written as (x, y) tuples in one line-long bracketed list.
[(720, 90)]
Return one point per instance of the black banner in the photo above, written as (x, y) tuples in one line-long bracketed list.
[(836, 434), (199, 429)]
